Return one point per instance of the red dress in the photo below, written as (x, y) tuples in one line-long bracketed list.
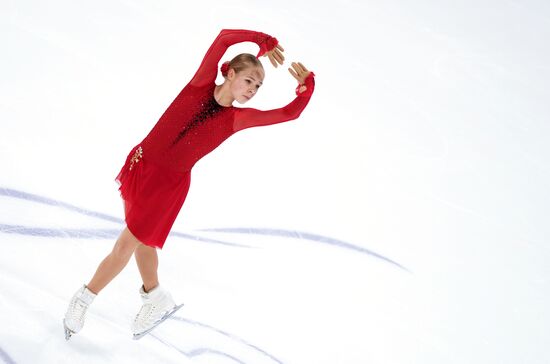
[(155, 179)]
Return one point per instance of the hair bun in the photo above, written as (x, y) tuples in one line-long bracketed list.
[(224, 68)]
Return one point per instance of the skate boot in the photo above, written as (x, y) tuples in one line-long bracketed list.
[(76, 313), (157, 306)]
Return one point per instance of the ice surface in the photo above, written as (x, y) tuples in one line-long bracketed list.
[(402, 219)]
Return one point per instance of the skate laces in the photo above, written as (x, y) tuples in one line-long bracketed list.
[(145, 314), (150, 314), (78, 310)]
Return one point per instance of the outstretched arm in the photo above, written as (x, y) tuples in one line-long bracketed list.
[(249, 117), (208, 69)]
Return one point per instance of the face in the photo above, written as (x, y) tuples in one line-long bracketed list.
[(246, 83)]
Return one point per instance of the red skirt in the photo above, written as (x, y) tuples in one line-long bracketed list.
[(153, 196)]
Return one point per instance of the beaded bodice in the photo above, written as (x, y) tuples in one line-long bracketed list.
[(208, 109), (192, 126)]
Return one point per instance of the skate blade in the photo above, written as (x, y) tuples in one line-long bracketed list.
[(68, 332), (164, 318)]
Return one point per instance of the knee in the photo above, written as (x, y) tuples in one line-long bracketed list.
[(143, 250), (121, 252), (124, 247)]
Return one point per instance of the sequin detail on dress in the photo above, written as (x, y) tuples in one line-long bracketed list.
[(136, 157), (208, 108)]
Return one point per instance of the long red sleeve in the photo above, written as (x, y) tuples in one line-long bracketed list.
[(208, 69), (249, 117)]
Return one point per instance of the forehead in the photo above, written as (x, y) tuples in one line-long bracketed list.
[(255, 72)]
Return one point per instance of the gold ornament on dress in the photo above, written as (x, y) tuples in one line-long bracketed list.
[(136, 157)]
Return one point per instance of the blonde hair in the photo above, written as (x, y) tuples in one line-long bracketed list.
[(240, 63)]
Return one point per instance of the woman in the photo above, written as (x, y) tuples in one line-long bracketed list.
[(155, 179)]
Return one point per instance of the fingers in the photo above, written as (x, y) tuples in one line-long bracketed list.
[(294, 74), (276, 56), (299, 68), (281, 56), (272, 60), (299, 72)]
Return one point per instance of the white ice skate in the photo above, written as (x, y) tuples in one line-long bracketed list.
[(76, 313), (158, 305)]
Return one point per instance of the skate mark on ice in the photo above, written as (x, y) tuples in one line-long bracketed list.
[(5, 357), (59, 232), (207, 351), (307, 236), (51, 202), (82, 233), (95, 234), (201, 351)]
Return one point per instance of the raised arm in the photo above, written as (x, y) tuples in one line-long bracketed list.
[(249, 117), (208, 69)]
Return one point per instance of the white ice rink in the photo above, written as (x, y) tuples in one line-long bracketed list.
[(403, 218)]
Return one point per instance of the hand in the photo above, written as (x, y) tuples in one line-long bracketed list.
[(300, 73), (276, 55)]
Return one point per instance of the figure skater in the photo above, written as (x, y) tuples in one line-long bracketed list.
[(155, 177)]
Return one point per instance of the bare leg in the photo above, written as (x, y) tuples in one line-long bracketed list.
[(147, 262), (113, 264)]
